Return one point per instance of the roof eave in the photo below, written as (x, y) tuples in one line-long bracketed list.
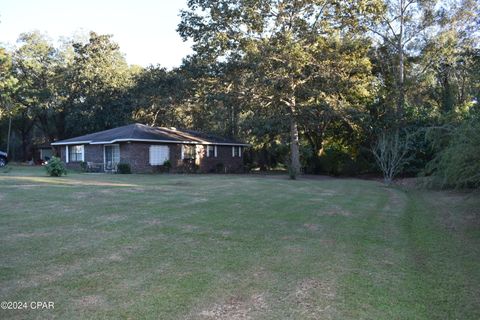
[(174, 142), (60, 143)]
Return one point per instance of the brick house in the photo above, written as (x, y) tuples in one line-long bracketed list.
[(151, 149)]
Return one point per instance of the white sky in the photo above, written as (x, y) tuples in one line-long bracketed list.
[(144, 29)]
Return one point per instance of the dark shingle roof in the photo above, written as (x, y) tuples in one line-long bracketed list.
[(141, 132)]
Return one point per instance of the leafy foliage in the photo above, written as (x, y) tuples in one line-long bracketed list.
[(458, 164), (308, 83), (124, 168), (55, 167)]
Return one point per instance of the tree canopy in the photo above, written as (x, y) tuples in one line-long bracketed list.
[(313, 85)]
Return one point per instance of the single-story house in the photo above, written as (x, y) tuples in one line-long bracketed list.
[(151, 149)]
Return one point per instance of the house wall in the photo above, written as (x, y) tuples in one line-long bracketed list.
[(137, 154), (223, 159), (93, 153)]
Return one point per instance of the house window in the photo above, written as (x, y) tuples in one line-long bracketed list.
[(76, 153), (211, 151), (188, 151), (236, 151), (158, 155)]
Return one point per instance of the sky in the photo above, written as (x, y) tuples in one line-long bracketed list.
[(144, 29)]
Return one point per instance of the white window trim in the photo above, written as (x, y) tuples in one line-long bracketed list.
[(104, 154), (214, 151), (67, 157), (239, 152), (183, 151)]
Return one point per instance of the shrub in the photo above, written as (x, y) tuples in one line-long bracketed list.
[(189, 166), (335, 161), (83, 166), (124, 168), (219, 168), (458, 164), (392, 152), (55, 167), (338, 161)]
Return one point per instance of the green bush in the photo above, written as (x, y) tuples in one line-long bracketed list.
[(336, 162), (458, 164), (55, 167), (219, 168), (164, 168), (83, 166), (124, 168), (167, 164)]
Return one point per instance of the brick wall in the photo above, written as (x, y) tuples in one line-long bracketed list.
[(137, 154), (223, 159), (93, 153)]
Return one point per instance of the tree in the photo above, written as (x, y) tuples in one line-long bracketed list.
[(401, 25), (449, 60), (391, 152), (97, 84), (35, 65), (457, 164), (158, 95), (278, 39), (8, 86)]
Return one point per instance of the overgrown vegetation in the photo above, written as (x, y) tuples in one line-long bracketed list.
[(55, 167), (124, 168), (458, 163)]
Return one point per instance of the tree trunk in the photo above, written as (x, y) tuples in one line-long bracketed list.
[(294, 144), (24, 145), (8, 135), (401, 86), (60, 125)]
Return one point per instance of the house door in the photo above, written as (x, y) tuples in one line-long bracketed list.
[(111, 157)]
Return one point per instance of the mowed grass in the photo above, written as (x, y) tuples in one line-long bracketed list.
[(235, 247)]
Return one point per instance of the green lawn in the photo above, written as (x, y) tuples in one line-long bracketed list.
[(235, 247)]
